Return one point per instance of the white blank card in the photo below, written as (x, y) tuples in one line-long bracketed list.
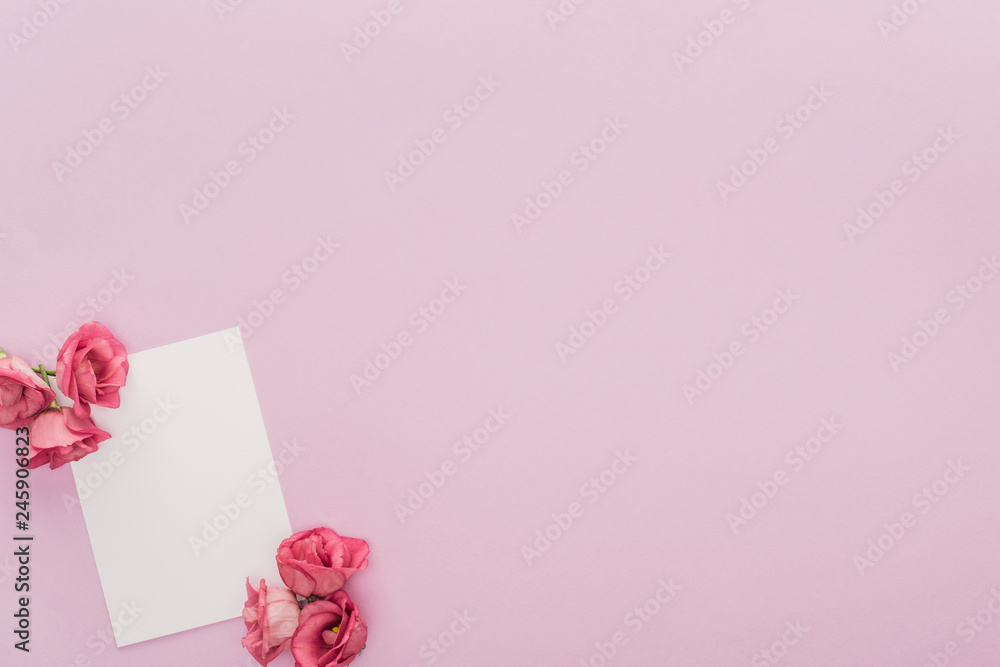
[(176, 507)]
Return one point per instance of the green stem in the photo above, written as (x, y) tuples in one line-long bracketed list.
[(45, 375), (2, 353)]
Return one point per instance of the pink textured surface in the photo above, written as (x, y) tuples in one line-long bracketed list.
[(854, 293)]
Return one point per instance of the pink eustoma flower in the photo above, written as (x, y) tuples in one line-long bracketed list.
[(319, 561), (271, 616), (58, 436), (91, 368), (331, 633), (22, 393)]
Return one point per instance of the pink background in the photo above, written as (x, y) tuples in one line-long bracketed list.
[(495, 346)]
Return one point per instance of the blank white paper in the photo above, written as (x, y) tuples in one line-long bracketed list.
[(181, 504)]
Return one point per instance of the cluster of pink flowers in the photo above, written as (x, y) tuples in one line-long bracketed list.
[(314, 616), (90, 369)]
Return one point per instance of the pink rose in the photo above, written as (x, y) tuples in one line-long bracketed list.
[(58, 436), (22, 393), (319, 562), (331, 633), (271, 616), (91, 368)]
